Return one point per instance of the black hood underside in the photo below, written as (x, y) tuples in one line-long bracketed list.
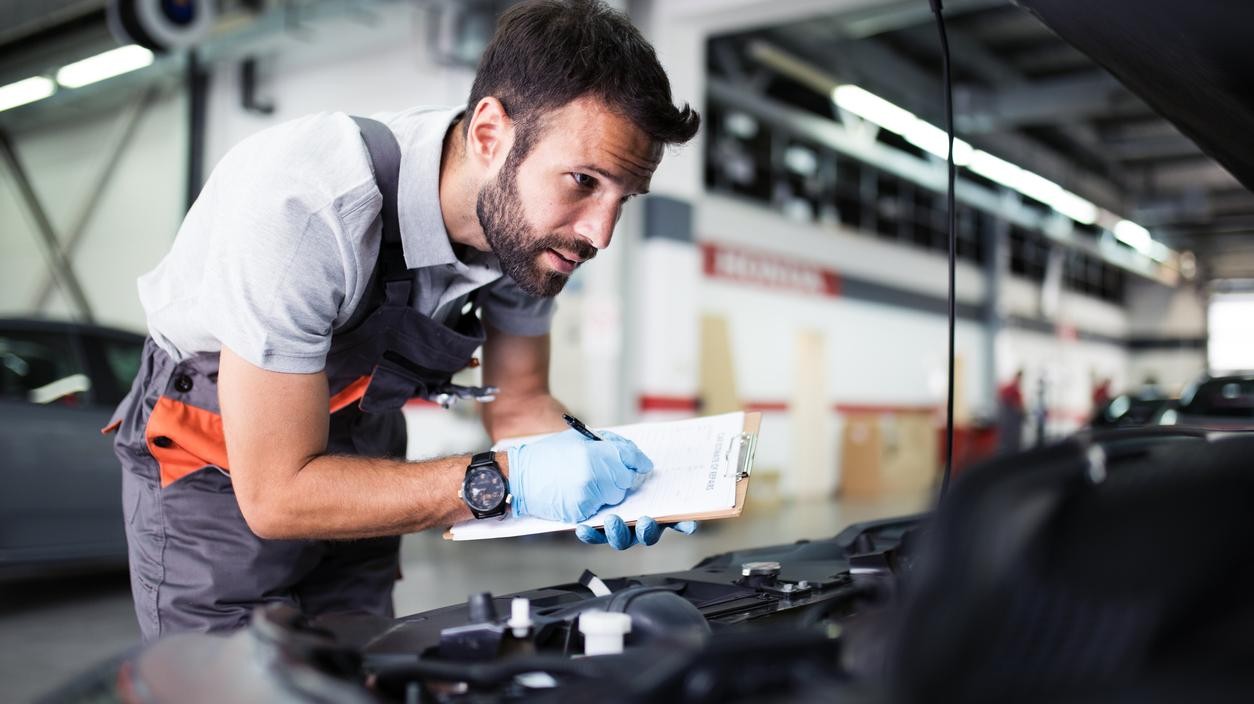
[(1190, 61)]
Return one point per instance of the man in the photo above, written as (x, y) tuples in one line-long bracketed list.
[(333, 268), (1010, 415)]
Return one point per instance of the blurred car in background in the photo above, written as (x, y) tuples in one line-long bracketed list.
[(1220, 403), (1133, 410), (61, 502)]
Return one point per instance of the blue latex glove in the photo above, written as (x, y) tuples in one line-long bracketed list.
[(567, 477), (621, 537)]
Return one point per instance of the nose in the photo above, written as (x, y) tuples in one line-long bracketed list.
[(596, 223)]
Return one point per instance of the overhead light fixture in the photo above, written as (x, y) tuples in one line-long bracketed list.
[(1075, 207), (994, 169), (934, 140), (27, 90), (898, 120), (114, 62), (1134, 236), (1159, 252), (870, 106)]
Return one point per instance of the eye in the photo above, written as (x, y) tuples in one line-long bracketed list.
[(583, 180)]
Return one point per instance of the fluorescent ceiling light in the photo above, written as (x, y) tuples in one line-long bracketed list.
[(994, 169), (1159, 252), (25, 91), (898, 120), (1075, 207), (1134, 236), (871, 107), (1036, 186), (934, 140), (114, 62)]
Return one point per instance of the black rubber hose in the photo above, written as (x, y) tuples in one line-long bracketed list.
[(953, 242)]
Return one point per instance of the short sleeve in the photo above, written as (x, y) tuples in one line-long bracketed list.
[(275, 275), (509, 309)]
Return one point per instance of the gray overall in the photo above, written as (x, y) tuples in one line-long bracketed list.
[(195, 564)]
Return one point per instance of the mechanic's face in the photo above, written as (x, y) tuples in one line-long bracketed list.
[(556, 208)]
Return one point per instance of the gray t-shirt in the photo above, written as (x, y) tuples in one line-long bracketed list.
[(278, 250)]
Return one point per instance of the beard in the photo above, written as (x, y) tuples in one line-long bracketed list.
[(516, 245)]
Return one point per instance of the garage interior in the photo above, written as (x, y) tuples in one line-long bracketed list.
[(791, 261)]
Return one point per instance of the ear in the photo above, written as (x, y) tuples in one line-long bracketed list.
[(491, 132)]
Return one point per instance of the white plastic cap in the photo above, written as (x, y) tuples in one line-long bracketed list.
[(603, 632), (519, 616)]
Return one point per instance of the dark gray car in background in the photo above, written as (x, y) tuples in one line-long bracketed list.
[(60, 506)]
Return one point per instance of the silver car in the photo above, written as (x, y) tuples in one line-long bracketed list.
[(61, 502)]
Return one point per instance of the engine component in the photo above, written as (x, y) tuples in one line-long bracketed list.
[(519, 617), (603, 632), (759, 574)]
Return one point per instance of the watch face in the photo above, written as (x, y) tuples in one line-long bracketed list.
[(484, 488)]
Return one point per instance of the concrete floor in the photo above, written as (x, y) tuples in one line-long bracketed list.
[(52, 629)]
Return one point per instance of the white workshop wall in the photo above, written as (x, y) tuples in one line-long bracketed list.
[(1022, 298), (883, 355), (876, 354), (1157, 311), (352, 65), (1067, 366), (131, 227), (1163, 314)]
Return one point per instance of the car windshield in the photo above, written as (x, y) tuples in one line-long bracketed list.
[(1227, 398), (40, 368)]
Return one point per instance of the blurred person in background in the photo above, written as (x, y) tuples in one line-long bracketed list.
[(1101, 391), (1010, 415)]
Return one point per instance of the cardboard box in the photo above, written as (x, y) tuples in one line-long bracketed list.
[(887, 452)]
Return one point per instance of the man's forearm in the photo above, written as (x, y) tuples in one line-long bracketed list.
[(521, 416), (337, 497)]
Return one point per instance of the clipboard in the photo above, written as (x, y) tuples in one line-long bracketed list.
[(742, 447)]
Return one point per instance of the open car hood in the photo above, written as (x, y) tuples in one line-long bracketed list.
[(1190, 61)]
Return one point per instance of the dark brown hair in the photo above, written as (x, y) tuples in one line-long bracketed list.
[(546, 53)]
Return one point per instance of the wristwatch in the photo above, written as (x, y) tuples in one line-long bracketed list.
[(485, 489)]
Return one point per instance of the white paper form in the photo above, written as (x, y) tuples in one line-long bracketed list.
[(693, 472)]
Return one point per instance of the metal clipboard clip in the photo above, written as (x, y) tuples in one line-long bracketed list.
[(739, 455)]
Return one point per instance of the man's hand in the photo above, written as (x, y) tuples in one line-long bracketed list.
[(620, 537), (568, 477)]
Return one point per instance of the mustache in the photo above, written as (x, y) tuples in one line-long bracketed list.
[(579, 247)]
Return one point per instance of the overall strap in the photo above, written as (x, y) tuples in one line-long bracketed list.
[(385, 156), (390, 282)]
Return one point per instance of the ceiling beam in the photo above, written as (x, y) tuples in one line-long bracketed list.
[(1180, 176), (902, 14), (1039, 103), (994, 71), (876, 67)]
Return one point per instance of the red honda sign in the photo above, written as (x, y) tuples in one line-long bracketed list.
[(749, 267)]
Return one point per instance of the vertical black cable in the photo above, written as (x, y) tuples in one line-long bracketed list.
[(197, 82), (953, 241)]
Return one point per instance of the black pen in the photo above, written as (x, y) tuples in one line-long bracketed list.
[(577, 425)]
